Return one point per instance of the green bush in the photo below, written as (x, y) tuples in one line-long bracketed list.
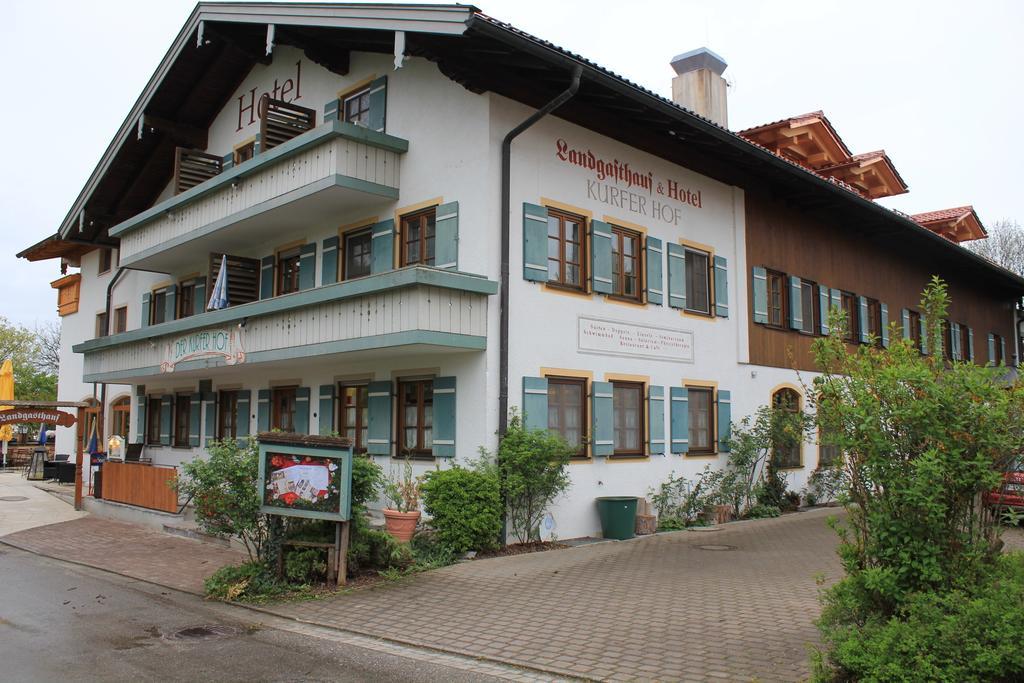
[(959, 636), (465, 506), (251, 581), (761, 511), (305, 565)]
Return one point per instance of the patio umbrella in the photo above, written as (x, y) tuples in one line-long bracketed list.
[(6, 392), (42, 434), (219, 295)]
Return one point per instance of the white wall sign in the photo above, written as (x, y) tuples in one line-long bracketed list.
[(597, 335), (217, 343)]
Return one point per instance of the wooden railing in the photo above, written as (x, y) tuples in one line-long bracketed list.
[(192, 166), (283, 121), (147, 486)]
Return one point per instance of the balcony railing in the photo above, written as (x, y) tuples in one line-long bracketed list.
[(421, 309), (283, 121), (192, 167)]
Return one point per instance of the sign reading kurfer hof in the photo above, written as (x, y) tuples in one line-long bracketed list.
[(597, 335), (225, 344)]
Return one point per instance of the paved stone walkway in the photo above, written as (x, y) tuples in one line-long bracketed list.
[(128, 549)]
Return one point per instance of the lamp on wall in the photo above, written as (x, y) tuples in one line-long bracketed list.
[(115, 447)]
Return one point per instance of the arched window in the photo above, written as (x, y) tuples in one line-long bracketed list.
[(120, 412), (787, 456)]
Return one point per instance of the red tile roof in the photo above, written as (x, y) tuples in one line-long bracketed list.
[(942, 214)]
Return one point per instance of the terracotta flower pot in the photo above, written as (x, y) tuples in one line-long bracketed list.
[(401, 525)]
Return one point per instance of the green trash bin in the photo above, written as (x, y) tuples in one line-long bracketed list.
[(618, 516)]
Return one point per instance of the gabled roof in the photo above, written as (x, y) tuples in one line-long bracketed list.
[(196, 78), (809, 139), (872, 173), (959, 224)]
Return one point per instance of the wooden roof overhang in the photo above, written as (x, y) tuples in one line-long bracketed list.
[(55, 247), (872, 173), (483, 54), (810, 140), (960, 224)]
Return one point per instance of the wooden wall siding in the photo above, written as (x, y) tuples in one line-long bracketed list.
[(404, 310), (142, 485), (794, 243), (333, 157)]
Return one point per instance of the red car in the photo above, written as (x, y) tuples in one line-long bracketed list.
[(1010, 494)]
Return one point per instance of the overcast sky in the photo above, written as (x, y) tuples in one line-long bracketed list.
[(936, 84)]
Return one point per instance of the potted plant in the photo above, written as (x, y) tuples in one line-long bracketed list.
[(403, 495)]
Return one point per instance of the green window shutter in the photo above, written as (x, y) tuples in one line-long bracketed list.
[(905, 313), (721, 287), (210, 416), (378, 404), (140, 419), (302, 410), (759, 279), (382, 247), (885, 325), (535, 402), (679, 419), (326, 409), (446, 236), (796, 308), (823, 298), (329, 261), (836, 300), (656, 420), (991, 349), (601, 257), (378, 104), (331, 110), (243, 414), (444, 417), (603, 418), (263, 410), (970, 345), (954, 341), (1002, 350), (199, 296), (227, 161), (924, 337), (676, 275), (267, 277), (655, 293), (166, 416), (535, 243), (193, 419), (724, 420), (862, 311), (307, 266), (170, 302), (145, 309)]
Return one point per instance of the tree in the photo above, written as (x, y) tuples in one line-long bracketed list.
[(35, 356), (1004, 245)]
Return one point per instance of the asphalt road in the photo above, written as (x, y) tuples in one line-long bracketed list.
[(61, 622)]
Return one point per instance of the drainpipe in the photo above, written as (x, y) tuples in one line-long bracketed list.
[(506, 179)]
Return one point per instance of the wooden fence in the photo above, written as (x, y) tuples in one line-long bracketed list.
[(147, 486)]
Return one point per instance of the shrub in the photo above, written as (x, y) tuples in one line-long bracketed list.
[(251, 581), (223, 489), (761, 511), (680, 500), (957, 636), (304, 565), (465, 506), (531, 465)]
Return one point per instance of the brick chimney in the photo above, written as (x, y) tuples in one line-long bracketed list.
[(699, 85)]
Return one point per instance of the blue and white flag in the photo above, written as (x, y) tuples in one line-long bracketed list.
[(219, 295)]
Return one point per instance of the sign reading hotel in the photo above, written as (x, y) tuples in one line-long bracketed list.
[(222, 344), (596, 335), (618, 184)]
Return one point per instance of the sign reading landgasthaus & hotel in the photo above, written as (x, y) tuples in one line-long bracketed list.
[(597, 335), (224, 344)]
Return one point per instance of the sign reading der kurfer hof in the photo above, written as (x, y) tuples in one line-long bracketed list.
[(597, 335), (223, 344)]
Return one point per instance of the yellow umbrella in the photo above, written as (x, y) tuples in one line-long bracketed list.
[(6, 392)]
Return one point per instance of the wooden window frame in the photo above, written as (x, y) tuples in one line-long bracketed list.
[(783, 308), (619, 237), (154, 420), (344, 238), (405, 222), (362, 388), (120, 416), (583, 385), (157, 306), (562, 217), (640, 388), (815, 313), (244, 152), (227, 404), (283, 258), (106, 261), (914, 320), (800, 446), (276, 412), (875, 320), (120, 319), (181, 418), (852, 332), (185, 302), (711, 448), (102, 326), (688, 253), (355, 95), (421, 450)]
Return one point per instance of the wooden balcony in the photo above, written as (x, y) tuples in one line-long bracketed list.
[(67, 293), (192, 167)]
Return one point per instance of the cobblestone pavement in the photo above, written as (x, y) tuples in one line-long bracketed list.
[(656, 608), (128, 549)]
